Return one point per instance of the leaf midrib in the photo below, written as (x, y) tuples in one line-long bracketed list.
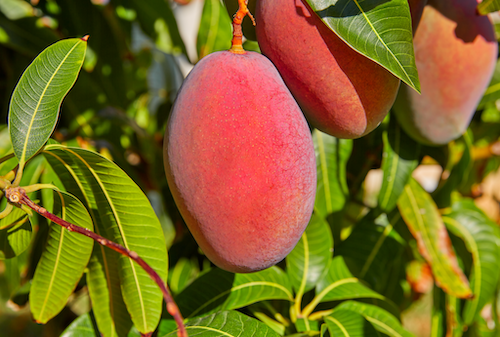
[(120, 227), (242, 286), (35, 111), (58, 257)]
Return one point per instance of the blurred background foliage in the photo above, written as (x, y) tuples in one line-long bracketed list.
[(138, 53)]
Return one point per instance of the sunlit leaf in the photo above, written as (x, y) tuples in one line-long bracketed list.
[(215, 31), (458, 175), (310, 257), (488, 6), (399, 159), (184, 272), (482, 239), (340, 284), (372, 249), (221, 290), (15, 234), (422, 217), (381, 319), (122, 213), (378, 29), (81, 327), (331, 159), (347, 323), (36, 100), (63, 260), (227, 324)]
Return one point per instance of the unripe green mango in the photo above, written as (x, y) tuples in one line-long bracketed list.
[(240, 162)]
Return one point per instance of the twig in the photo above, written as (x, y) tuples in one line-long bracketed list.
[(18, 195)]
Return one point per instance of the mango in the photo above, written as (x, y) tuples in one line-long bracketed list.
[(239, 160), (455, 52), (341, 92)]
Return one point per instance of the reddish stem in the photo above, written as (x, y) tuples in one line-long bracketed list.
[(18, 195), (237, 42)]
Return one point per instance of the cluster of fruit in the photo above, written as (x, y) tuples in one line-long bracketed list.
[(238, 152)]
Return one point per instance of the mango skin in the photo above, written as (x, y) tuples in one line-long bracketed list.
[(456, 53), (240, 162), (341, 92)]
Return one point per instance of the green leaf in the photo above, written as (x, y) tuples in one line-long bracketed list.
[(422, 217), (381, 319), (488, 6), (35, 103), (372, 249), (399, 159), (184, 272), (331, 160), (339, 284), (103, 281), (215, 32), (220, 290), (63, 260), (306, 325), (482, 239), (380, 30), (15, 234), (81, 327), (123, 214), (459, 174), (347, 323), (492, 93), (226, 324), (307, 261)]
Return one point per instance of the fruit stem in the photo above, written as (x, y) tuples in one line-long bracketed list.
[(237, 42)]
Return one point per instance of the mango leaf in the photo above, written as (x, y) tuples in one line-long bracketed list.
[(488, 6), (81, 327), (422, 217), (63, 260), (124, 215), (347, 323), (36, 100), (381, 319), (399, 159), (380, 30), (220, 290), (372, 248), (339, 284), (306, 325), (184, 272), (15, 234), (459, 174), (226, 323), (215, 30), (492, 93), (331, 160), (482, 239), (438, 319), (307, 261), (103, 281)]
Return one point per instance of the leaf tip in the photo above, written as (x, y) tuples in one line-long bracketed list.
[(85, 38)]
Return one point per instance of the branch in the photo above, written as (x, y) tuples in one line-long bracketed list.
[(18, 195)]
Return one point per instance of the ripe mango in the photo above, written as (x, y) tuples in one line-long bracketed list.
[(341, 92), (239, 160), (455, 52)]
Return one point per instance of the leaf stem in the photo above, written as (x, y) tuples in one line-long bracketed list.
[(18, 195), (237, 41)]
